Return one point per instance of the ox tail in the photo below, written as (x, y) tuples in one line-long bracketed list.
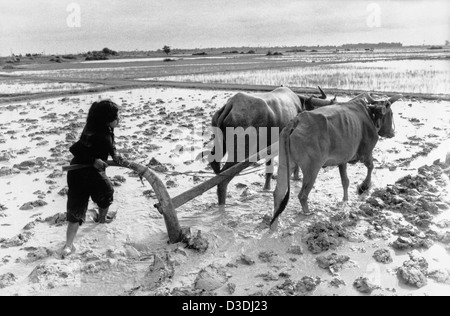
[(219, 139), (287, 144), (223, 113)]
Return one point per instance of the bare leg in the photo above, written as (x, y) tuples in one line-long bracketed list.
[(344, 180), (102, 212), (72, 230)]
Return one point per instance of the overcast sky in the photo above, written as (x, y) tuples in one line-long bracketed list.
[(60, 26)]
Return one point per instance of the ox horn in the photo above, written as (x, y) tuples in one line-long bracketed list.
[(395, 98), (364, 95), (324, 96), (317, 103), (369, 98)]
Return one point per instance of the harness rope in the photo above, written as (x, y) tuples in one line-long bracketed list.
[(250, 170), (201, 174)]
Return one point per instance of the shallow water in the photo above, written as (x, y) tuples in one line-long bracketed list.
[(150, 59), (413, 76), (21, 87)]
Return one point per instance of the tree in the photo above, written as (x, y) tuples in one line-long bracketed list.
[(167, 49), (108, 51)]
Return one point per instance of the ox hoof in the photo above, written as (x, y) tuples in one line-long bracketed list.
[(306, 213), (342, 204), (273, 227), (362, 189)]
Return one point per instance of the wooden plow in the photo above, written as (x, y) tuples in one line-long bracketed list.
[(168, 205)]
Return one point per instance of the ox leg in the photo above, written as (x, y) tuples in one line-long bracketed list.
[(344, 180), (222, 191), (215, 166), (296, 176), (365, 185), (269, 174), (309, 177), (222, 187)]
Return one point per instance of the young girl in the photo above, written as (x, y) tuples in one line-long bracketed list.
[(95, 145)]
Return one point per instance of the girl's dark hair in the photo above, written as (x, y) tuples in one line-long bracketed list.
[(101, 114)]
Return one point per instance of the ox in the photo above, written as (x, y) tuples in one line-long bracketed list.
[(257, 111), (331, 136)]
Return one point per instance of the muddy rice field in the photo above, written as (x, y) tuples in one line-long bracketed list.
[(392, 240)]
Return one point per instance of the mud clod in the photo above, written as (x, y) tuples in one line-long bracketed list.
[(31, 205), (333, 263), (55, 273), (383, 256), (414, 271), (323, 236), (440, 275), (290, 288), (364, 285), (211, 278), (160, 271), (7, 279), (57, 219), (337, 283), (295, 250), (245, 260), (188, 291), (411, 238), (39, 253), (267, 256), (16, 241), (197, 242), (231, 287)]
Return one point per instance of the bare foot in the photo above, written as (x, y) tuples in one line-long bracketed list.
[(108, 219), (67, 251)]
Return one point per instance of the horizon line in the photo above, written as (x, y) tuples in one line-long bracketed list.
[(228, 47)]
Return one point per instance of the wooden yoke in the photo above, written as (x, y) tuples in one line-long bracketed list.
[(185, 197)]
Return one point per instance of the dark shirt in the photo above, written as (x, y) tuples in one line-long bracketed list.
[(92, 146)]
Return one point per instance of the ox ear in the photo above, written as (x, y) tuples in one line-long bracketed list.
[(378, 110)]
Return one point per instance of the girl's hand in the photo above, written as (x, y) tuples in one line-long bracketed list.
[(118, 159), (100, 164)]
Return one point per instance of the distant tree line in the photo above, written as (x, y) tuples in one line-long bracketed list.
[(373, 45), (270, 53), (251, 51), (104, 54)]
